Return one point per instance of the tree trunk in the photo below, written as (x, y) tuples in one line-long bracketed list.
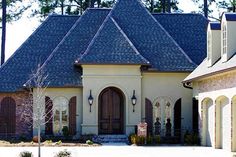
[(92, 3), (168, 6), (39, 142), (205, 9), (62, 7), (163, 6), (152, 6), (4, 5)]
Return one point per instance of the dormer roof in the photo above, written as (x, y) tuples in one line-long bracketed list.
[(215, 25), (230, 16)]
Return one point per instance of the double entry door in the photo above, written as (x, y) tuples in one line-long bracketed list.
[(110, 111)]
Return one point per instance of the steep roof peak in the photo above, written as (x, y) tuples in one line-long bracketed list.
[(110, 45)]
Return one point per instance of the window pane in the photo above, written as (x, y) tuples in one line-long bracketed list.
[(60, 114), (56, 124)]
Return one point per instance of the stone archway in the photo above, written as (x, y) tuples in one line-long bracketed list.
[(7, 116), (111, 111), (208, 119), (233, 140), (223, 123)]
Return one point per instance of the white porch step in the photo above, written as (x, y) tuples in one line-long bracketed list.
[(111, 139)]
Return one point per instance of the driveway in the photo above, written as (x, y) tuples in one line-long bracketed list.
[(121, 151)]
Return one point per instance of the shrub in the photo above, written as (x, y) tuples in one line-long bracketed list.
[(65, 131), (133, 138), (89, 142), (26, 154), (22, 137), (157, 139), (48, 141), (140, 140), (58, 142), (149, 140), (86, 137), (191, 138), (63, 153)]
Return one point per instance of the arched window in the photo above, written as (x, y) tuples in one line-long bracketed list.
[(157, 119), (157, 111), (60, 115), (167, 111)]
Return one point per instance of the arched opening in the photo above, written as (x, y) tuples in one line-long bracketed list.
[(8, 116), (111, 111), (60, 115), (233, 124), (208, 127), (223, 123), (177, 119)]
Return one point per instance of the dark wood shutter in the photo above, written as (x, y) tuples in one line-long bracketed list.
[(149, 115), (72, 116), (8, 116), (49, 116), (177, 118), (195, 115)]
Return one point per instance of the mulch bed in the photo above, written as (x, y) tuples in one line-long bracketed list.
[(45, 144)]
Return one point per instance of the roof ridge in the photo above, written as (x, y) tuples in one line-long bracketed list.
[(129, 41), (56, 48), (100, 28), (59, 15), (93, 40), (197, 14), (100, 8)]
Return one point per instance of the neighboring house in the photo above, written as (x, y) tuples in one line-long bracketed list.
[(214, 86), (112, 55)]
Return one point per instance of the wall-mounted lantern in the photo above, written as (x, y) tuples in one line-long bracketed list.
[(90, 100), (133, 100)]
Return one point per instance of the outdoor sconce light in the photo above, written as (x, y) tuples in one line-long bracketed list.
[(133, 100), (90, 100)]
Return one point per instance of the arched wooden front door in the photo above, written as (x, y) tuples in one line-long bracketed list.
[(111, 111), (7, 116)]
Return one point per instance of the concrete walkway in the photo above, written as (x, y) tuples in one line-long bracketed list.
[(121, 151)]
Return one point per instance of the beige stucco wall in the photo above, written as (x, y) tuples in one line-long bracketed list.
[(220, 89), (66, 93), (168, 86), (98, 77)]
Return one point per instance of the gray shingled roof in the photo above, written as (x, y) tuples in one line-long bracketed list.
[(61, 40), (60, 64), (35, 50), (111, 46), (189, 31), (203, 70), (150, 38)]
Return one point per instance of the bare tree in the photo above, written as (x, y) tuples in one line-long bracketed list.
[(36, 111)]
